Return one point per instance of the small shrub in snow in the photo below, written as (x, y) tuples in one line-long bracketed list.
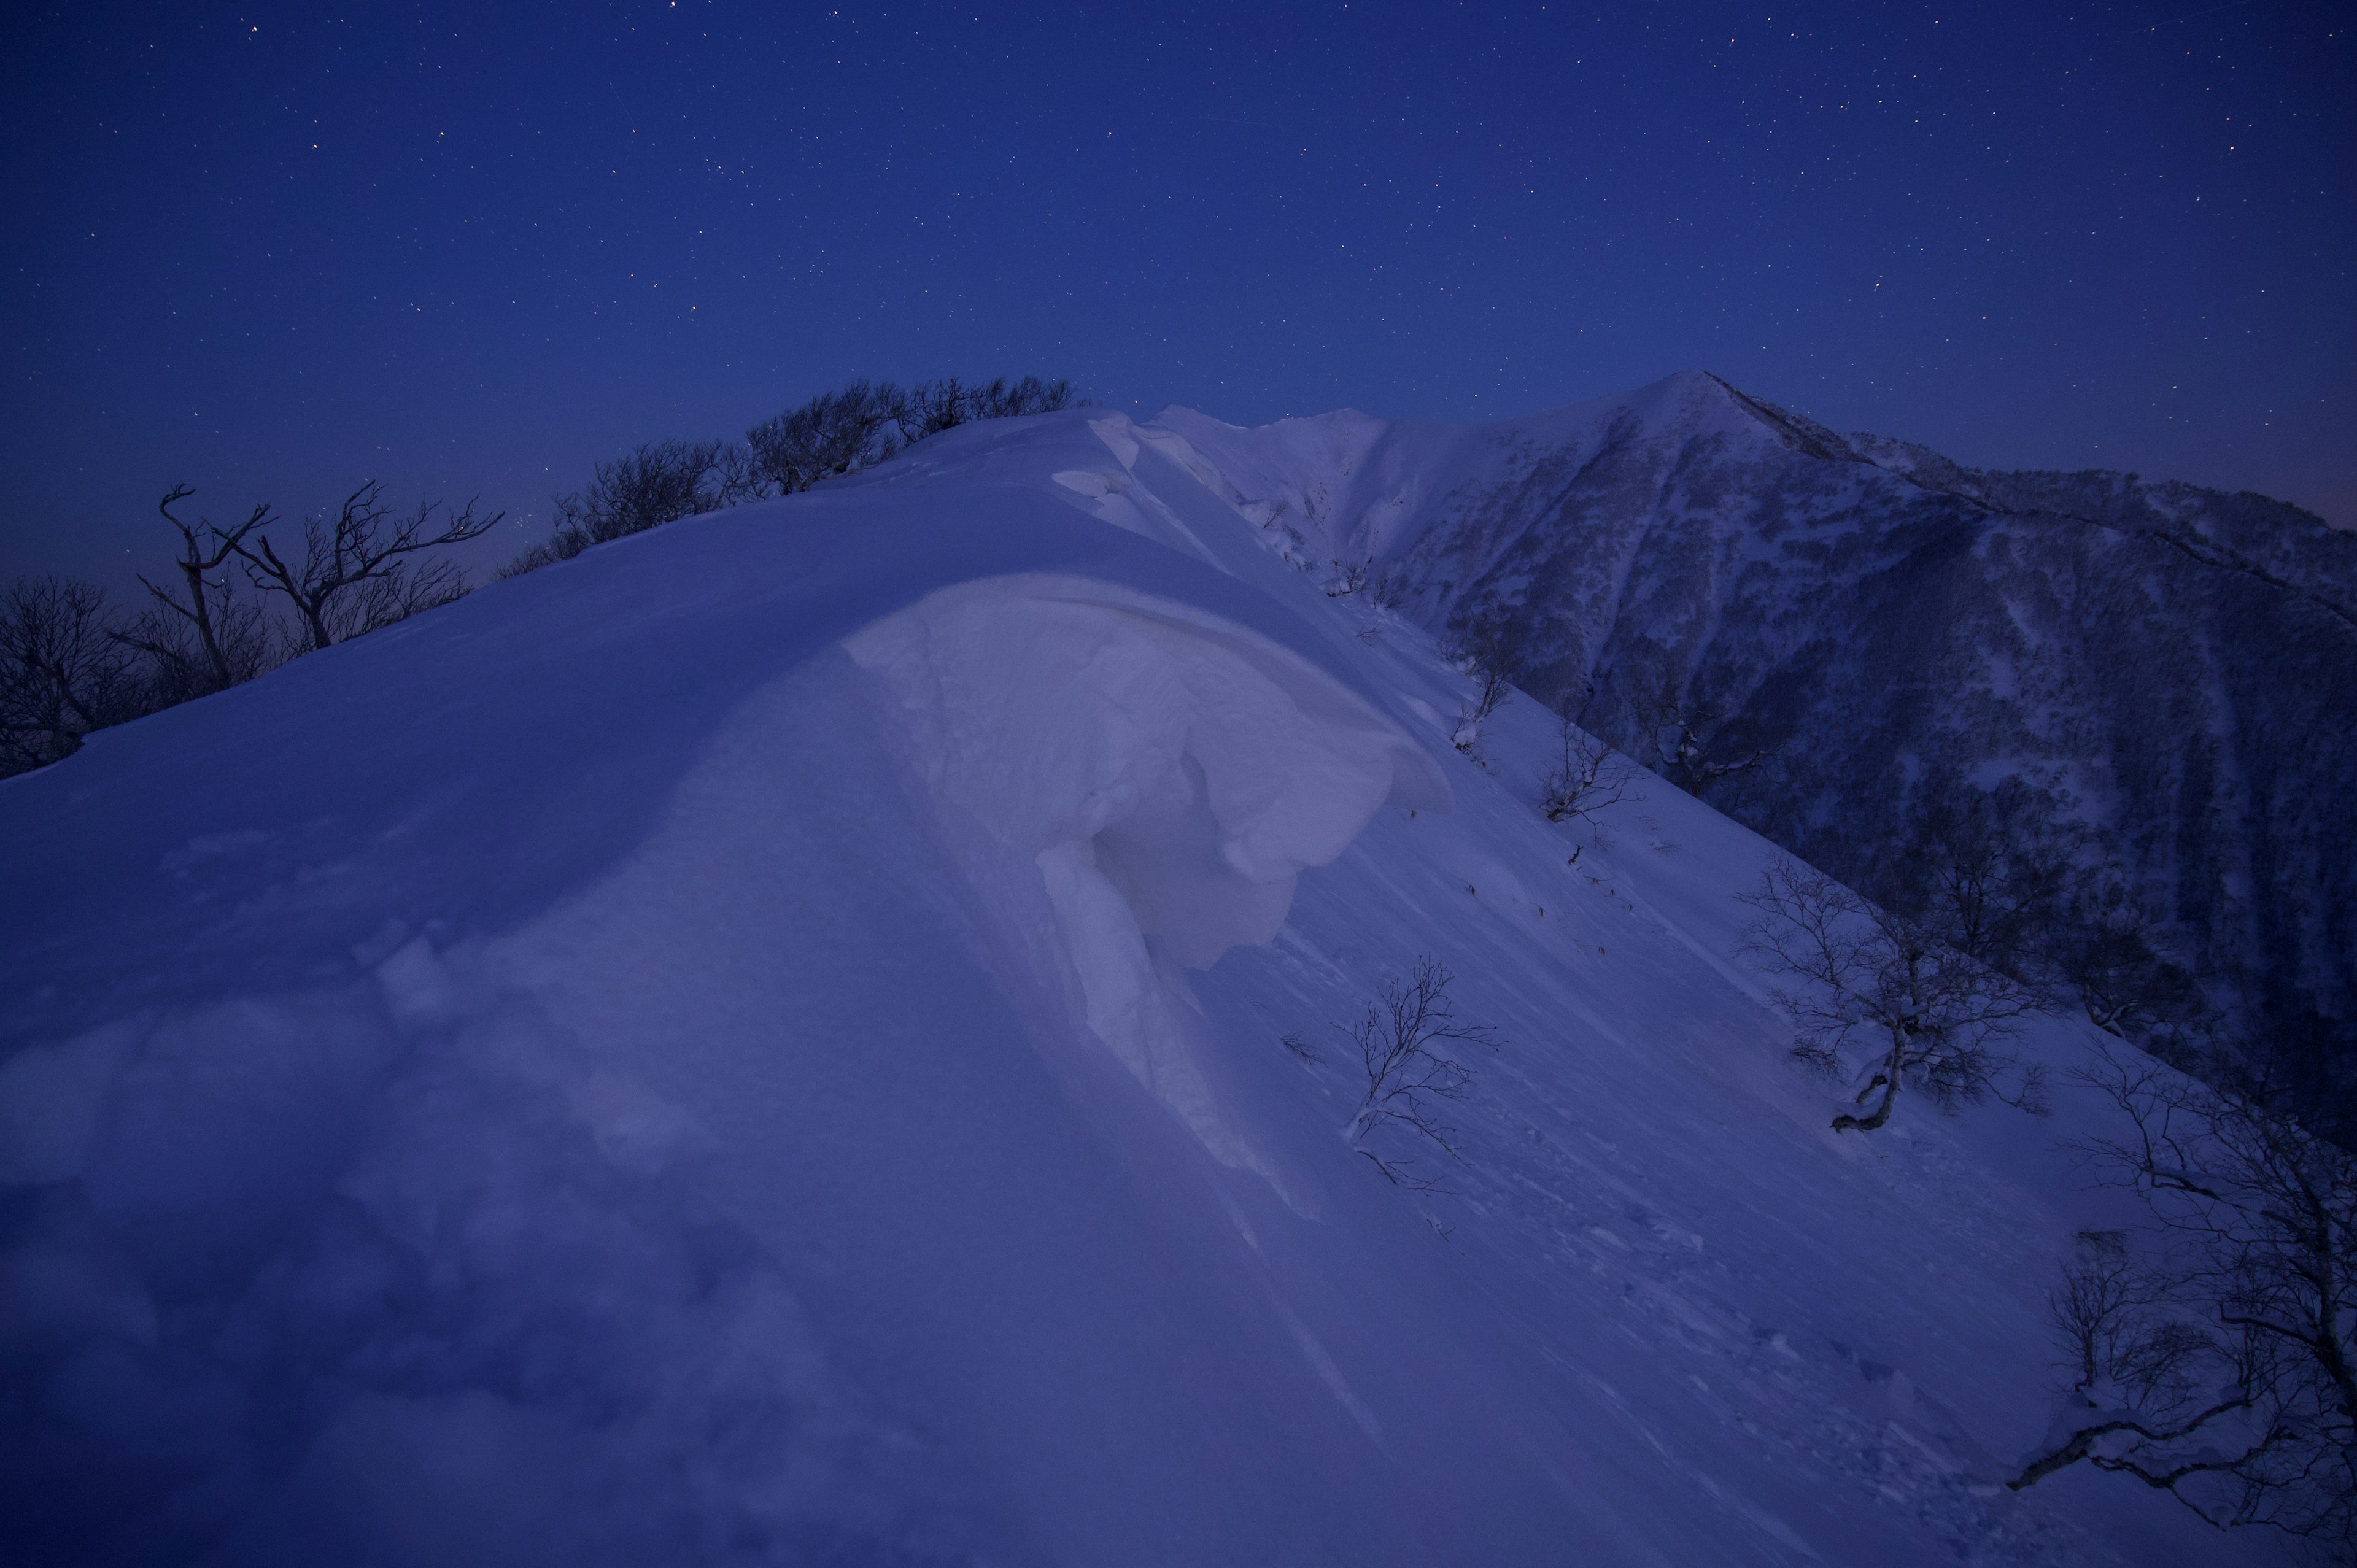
[(1410, 1079), (930, 407), (1589, 779), (834, 433), (1484, 650), (1349, 577), (864, 424), (2107, 953), (1490, 690), (652, 484), (1690, 736), (1932, 1016), (2220, 1364)]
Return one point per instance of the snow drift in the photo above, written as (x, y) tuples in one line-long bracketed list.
[(761, 1045)]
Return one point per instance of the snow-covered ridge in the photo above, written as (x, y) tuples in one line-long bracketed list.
[(762, 1044)]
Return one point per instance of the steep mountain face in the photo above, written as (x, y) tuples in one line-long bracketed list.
[(820, 1034), (1852, 616)]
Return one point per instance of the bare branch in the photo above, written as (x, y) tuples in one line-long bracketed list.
[(62, 672), (231, 645), (1485, 650), (1589, 780), (1690, 737), (2220, 1364), (1409, 1080), (1934, 1017), (355, 574)]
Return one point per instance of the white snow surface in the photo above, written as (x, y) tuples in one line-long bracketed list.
[(761, 1044)]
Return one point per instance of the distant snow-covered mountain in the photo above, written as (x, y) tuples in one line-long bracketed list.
[(2177, 665), (817, 1034)]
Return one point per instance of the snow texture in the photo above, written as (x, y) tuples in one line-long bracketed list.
[(761, 1044)]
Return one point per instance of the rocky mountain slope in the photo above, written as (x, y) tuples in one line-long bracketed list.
[(1835, 621)]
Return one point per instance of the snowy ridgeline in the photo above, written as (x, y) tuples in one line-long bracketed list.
[(764, 1044)]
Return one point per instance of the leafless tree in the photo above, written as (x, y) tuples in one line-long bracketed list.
[(930, 407), (1588, 780), (2219, 1364), (863, 424), (1349, 577), (659, 482), (62, 672), (2106, 952), (358, 571), (1688, 737), (1389, 589), (651, 484), (1987, 870), (180, 669), (1932, 1018), (842, 432), (2007, 876), (1410, 1080), (834, 433), (232, 642), (1485, 649)]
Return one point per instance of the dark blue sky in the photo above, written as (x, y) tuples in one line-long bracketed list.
[(271, 252)]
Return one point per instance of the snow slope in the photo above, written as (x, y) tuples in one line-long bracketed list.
[(761, 1044)]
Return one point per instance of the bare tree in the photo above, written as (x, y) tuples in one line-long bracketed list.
[(1409, 1080), (1987, 870), (930, 407), (2106, 952), (1589, 779), (1688, 737), (232, 642), (842, 432), (180, 668), (62, 672), (1349, 577), (653, 483), (1933, 1018), (1486, 650), (834, 433), (2219, 1365), (357, 573), (2008, 877), (863, 424)]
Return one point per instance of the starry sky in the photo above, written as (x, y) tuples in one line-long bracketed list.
[(472, 249)]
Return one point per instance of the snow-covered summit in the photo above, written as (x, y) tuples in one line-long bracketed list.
[(765, 1043)]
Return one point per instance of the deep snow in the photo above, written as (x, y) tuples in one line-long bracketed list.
[(761, 1044)]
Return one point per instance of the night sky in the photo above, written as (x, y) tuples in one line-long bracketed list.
[(473, 249)]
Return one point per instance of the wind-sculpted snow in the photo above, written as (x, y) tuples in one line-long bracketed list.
[(2179, 664), (761, 1044), (1166, 773)]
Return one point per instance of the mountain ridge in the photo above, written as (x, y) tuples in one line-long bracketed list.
[(824, 1032), (1755, 556)]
